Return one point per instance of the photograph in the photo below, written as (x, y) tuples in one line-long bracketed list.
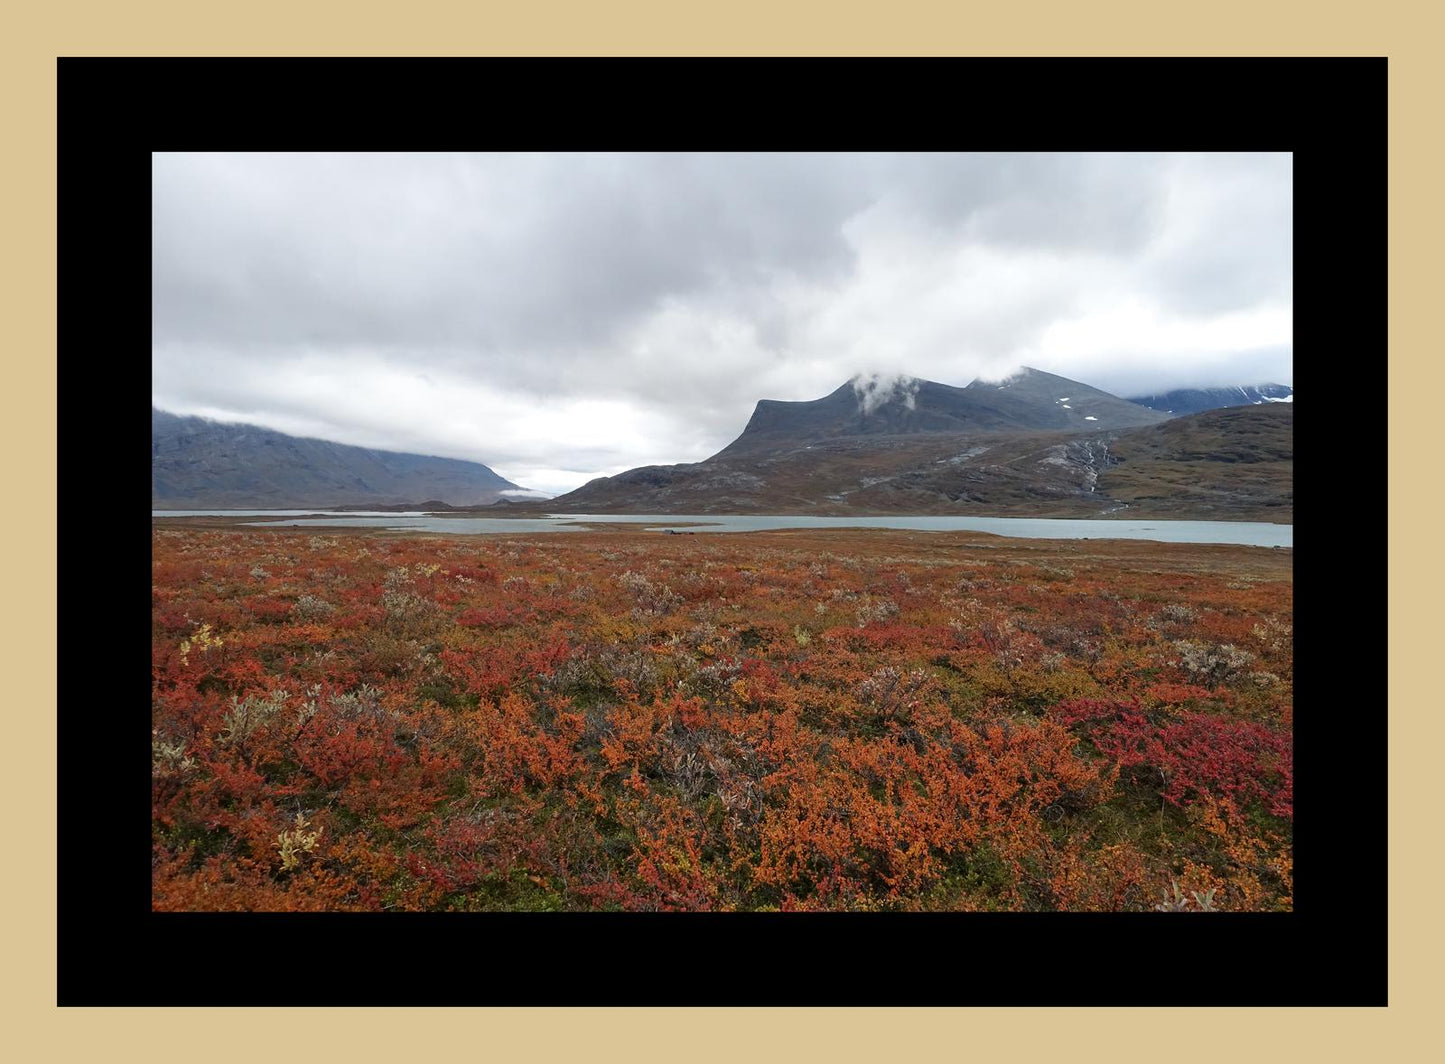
[(723, 532)]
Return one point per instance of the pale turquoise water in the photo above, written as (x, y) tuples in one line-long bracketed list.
[(1251, 533)]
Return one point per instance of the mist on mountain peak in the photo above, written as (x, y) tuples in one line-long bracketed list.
[(875, 389)]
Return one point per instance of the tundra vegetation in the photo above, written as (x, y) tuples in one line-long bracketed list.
[(766, 721)]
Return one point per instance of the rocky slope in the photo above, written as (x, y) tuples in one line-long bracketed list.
[(1225, 464)]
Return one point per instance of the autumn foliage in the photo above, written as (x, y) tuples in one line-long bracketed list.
[(790, 720)]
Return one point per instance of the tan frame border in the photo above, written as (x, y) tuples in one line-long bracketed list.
[(264, 27)]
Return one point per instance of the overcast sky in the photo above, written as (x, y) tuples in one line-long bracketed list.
[(562, 317)]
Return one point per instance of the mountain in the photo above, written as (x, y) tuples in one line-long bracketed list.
[(202, 464), (1218, 464), (1034, 444), (1030, 400), (1194, 400), (922, 473)]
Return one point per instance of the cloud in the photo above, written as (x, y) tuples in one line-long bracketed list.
[(576, 315), (874, 390)]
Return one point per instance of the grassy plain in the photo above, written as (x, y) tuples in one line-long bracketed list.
[(358, 720)]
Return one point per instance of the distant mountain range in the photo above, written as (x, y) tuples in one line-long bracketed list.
[(1194, 400), (1035, 443), (201, 464)]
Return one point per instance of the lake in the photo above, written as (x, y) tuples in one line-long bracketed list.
[(1249, 533)]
